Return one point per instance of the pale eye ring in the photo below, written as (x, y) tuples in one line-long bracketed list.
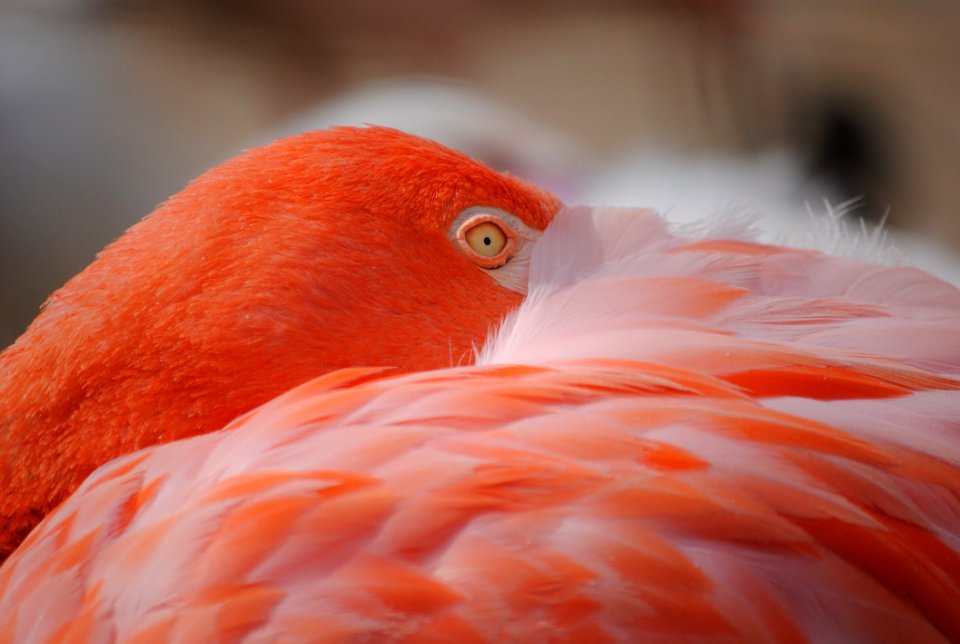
[(487, 240)]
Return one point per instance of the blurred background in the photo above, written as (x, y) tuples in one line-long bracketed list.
[(693, 106)]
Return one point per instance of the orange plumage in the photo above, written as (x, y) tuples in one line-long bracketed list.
[(673, 438), (318, 252)]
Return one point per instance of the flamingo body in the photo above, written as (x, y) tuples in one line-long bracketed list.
[(673, 438)]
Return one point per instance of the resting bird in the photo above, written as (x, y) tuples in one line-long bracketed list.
[(674, 437), (322, 251)]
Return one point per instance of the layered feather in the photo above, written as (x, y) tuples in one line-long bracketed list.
[(673, 438)]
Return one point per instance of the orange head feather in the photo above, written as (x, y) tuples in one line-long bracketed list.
[(321, 251)]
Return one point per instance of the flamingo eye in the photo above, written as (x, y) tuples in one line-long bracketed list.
[(487, 240)]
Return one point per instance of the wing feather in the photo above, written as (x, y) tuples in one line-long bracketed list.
[(629, 460)]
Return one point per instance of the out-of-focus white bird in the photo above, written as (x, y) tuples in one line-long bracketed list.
[(769, 189)]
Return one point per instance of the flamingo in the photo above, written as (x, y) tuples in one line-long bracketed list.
[(328, 250), (677, 435)]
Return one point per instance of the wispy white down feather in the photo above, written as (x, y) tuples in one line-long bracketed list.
[(615, 282)]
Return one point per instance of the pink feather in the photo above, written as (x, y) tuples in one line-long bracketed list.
[(673, 438)]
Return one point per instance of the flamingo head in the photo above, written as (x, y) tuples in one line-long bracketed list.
[(338, 248)]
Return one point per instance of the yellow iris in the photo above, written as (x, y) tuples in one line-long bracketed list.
[(486, 239)]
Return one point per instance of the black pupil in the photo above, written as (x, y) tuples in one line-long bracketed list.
[(487, 241)]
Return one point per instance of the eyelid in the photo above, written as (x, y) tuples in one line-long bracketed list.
[(500, 258), (514, 274)]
